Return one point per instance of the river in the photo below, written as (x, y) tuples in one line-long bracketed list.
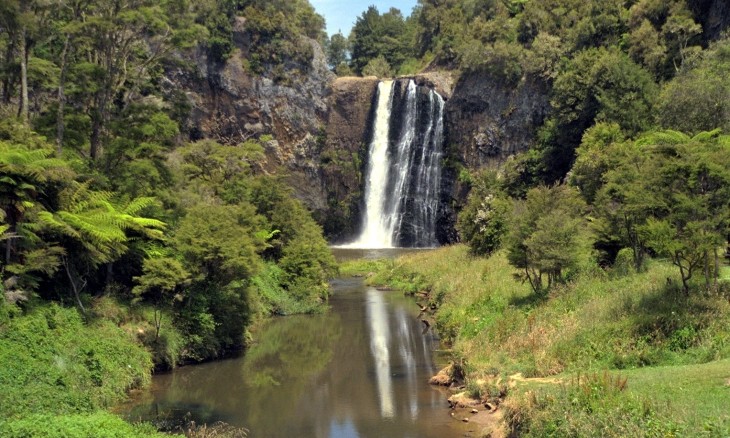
[(359, 370)]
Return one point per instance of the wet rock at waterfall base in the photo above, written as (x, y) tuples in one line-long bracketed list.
[(443, 377)]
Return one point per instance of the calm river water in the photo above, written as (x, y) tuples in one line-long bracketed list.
[(359, 370)]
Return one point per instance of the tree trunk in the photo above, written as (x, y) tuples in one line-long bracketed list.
[(98, 122), (717, 271), (109, 273), (636, 246), (23, 113), (7, 81), (74, 287), (706, 260), (685, 277), (95, 138), (60, 126), (158, 323), (533, 283)]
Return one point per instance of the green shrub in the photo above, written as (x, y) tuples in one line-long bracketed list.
[(55, 363), (91, 425), (483, 222), (273, 299), (624, 264)]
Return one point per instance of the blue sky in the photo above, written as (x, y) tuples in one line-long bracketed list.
[(341, 14)]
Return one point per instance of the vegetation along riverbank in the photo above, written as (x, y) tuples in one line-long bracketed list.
[(606, 353)]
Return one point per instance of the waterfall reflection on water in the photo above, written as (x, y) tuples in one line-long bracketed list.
[(359, 370), (379, 345)]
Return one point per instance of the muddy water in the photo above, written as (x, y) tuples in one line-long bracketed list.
[(360, 370)]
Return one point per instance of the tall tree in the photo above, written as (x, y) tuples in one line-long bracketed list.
[(338, 48), (548, 235), (377, 35), (691, 177), (123, 40), (687, 215)]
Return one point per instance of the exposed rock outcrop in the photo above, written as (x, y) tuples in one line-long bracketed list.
[(445, 377), (230, 103), (488, 120), (714, 15), (441, 82), (343, 157)]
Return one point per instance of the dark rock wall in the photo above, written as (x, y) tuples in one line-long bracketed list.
[(488, 120), (344, 156), (714, 15), (229, 103)]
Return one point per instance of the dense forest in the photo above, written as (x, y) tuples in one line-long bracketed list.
[(131, 243), (162, 245)]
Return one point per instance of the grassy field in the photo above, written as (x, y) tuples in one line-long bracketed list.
[(698, 394), (636, 325)]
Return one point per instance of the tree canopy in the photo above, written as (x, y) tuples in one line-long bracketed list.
[(101, 194)]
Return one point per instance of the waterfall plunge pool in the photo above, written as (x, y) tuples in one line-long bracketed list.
[(359, 370)]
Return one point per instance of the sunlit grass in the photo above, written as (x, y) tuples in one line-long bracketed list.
[(638, 323), (699, 395)]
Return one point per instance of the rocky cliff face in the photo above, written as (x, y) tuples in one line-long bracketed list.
[(229, 103), (488, 120), (343, 157), (714, 15), (321, 125)]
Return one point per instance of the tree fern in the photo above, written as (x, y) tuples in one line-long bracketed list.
[(98, 224), (706, 136), (661, 138), (34, 164)]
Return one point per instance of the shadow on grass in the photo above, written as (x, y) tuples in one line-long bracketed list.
[(528, 301), (662, 314)]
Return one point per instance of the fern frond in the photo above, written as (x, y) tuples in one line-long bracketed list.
[(661, 138), (705, 136), (139, 204), (724, 141)]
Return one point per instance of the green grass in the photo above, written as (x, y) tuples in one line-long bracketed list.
[(53, 362), (662, 401), (58, 372), (699, 395), (597, 321), (91, 425)]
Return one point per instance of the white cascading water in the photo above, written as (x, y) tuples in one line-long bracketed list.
[(377, 226), (416, 219), (403, 179)]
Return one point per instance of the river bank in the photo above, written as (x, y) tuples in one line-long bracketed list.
[(604, 339)]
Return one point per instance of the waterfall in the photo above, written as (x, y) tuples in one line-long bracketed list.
[(404, 168), (377, 225)]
